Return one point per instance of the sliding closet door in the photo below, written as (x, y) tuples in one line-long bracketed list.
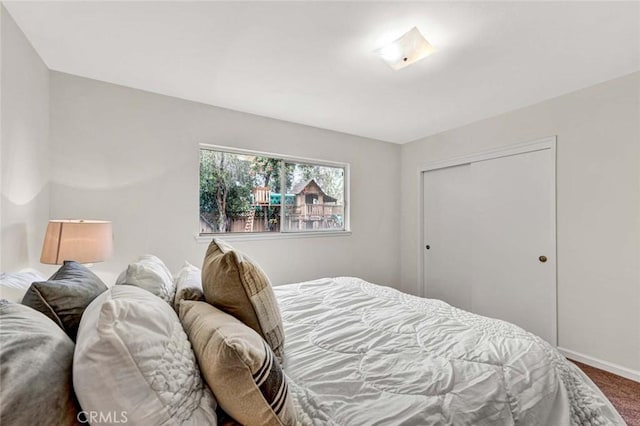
[(513, 234), (446, 235), (489, 237)]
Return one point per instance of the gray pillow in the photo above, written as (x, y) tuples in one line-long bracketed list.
[(65, 296), (36, 359)]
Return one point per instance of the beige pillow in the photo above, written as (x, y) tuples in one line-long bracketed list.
[(237, 285), (239, 367)]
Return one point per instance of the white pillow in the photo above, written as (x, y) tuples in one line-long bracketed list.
[(152, 274), (132, 356), (14, 285), (156, 260), (188, 285)]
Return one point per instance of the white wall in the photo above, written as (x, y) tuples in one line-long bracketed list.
[(132, 157), (598, 208), (24, 209)]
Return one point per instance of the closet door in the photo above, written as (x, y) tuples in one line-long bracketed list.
[(489, 238), (447, 232), (513, 241)]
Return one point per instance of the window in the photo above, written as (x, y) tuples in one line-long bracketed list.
[(250, 192)]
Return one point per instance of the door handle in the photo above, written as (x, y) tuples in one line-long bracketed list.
[(427, 246), (542, 259)]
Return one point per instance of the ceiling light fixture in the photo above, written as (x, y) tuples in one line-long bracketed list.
[(406, 50)]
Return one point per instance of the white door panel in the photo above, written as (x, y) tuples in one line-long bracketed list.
[(512, 226), (446, 226)]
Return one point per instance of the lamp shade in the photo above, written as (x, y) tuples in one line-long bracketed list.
[(85, 241)]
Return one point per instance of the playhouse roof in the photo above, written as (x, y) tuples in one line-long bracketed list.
[(297, 189), (300, 186)]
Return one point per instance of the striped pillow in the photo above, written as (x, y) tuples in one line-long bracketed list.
[(236, 284), (240, 368)]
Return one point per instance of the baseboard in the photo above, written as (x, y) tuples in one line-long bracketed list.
[(602, 365)]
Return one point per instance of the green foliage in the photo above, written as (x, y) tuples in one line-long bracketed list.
[(238, 200), (267, 172), (208, 180), (225, 186)]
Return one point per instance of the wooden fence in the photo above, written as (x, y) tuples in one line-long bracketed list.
[(237, 224)]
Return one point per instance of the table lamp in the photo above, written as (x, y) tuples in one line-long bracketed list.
[(84, 241)]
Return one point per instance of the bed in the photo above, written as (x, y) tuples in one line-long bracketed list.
[(357, 353)]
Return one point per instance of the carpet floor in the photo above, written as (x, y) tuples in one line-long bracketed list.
[(623, 393)]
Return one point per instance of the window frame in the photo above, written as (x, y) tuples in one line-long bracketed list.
[(283, 158)]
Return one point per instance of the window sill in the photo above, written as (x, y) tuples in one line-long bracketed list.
[(270, 236)]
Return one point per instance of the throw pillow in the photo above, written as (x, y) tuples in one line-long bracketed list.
[(132, 356), (239, 366), (188, 285), (65, 296), (237, 285), (36, 358), (150, 273)]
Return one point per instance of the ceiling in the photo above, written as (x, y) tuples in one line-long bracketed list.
[(313, 62)]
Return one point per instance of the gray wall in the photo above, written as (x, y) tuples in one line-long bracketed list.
[(598, 208), (24, 149), (132, 157)]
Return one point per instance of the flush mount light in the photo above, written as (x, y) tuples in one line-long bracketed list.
[(406, 50)]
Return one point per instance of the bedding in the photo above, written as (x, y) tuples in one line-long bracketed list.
[(361, 354), (14, 285)]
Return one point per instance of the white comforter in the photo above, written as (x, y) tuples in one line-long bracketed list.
[(362, 354)]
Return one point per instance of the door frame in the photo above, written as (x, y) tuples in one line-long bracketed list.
[(488, 154)]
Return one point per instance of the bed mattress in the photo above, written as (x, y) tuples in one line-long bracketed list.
[(361, 354)]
